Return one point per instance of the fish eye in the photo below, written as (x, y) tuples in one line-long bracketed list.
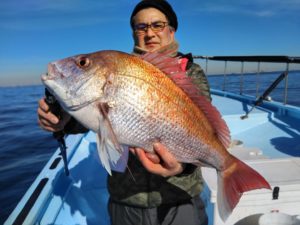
[(83, 62)]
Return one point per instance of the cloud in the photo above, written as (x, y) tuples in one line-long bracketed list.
[(59, 6), (48, 14), (53, 14), (257, 8)]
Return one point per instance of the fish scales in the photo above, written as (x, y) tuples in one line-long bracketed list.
[(155, 117), (155, 99), (130, 101)]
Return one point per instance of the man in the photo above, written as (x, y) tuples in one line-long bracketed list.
[(164, 191)]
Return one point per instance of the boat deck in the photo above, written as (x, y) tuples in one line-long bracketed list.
[(82, 197), (276, 134)]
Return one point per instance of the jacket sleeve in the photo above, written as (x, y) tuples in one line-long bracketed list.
[(199, 78), (74, 127)]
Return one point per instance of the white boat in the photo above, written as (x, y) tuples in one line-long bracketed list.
[(268, 140)]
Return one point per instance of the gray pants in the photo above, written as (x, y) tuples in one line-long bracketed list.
[(191, 212)]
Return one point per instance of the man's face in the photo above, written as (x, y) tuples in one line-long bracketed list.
[(149, 39)]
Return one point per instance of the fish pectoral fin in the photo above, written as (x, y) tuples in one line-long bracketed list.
[(108, 132), (109, 149), (108, 154)]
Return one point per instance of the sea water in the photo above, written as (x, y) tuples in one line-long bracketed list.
[(25, 147)]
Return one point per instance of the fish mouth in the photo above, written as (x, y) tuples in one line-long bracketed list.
[(52, 74), (47, 76)]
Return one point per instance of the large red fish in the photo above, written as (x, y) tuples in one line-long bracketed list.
[(136, 101)]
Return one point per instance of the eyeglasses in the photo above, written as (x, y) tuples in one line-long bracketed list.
[(142, 28)]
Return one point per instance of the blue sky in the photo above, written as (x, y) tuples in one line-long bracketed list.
[(36, 32)]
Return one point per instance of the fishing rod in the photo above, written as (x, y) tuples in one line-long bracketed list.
[(266, 93), (58, 135)]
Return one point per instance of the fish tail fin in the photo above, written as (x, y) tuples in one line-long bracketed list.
[(233, 182)]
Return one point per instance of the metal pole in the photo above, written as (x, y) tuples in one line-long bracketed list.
[(257, 78), (224, 77), (242, 78), (286, 84), (266, 93)]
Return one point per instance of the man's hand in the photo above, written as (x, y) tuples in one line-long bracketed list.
[(162, 162), (48, 121)]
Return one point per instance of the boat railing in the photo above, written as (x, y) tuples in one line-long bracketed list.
[(259, 59)]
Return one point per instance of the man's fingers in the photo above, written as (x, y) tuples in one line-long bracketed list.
[(140, 153), (45, 124), (153, 157), (48, 128), (148, 164), (43, 105), (47, 120), (165, 155), (132, 150), (163, 163), (47, 116), (44, 112)]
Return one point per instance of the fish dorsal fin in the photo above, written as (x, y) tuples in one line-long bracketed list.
[(174, 68), (215, 118), (164, 62)]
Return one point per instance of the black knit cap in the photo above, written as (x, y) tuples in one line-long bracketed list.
[(162, 6)]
